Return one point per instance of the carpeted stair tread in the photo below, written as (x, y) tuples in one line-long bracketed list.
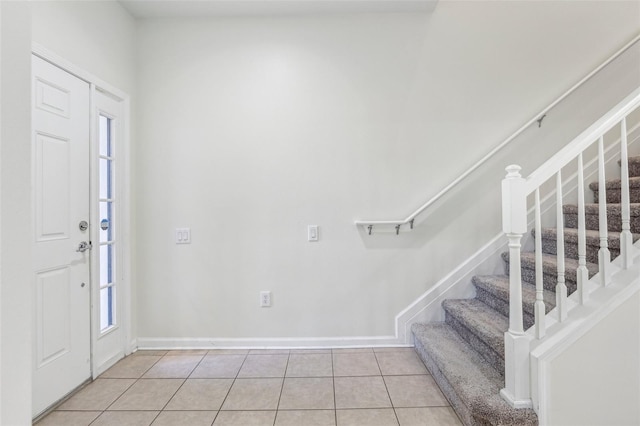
[(592, 214), (498, 286), (616, 183), (550, 263), (594, 209), (614, 191), (469, 383), (634, 166), (592, 237), (487, 324), (550, 269)]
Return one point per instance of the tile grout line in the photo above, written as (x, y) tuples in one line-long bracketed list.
[(333, 377), (179, 387), (284, 375), (130, 386), (234, 380), (386, 388), (230, 387)]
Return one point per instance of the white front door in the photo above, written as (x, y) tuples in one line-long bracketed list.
[(61, 142)]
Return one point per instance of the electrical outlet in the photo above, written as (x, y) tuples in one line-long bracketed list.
[(265, 299)]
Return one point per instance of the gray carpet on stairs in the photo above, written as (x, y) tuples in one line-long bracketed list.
[(634, 166), (592, 221), (613, 187), (493, 290), (471, 385), (465, 354), (549, 270), (549, 243), (477, 323)]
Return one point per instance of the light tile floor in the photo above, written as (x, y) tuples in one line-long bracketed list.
[(369, 387)]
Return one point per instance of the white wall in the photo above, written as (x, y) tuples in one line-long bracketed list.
[(97, 36), (252, 128), (596, 381), (15, 177)]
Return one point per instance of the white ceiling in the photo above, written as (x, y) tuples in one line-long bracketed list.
[(142, 9)]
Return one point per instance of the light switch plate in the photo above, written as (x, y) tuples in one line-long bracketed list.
[(313, 233), (183, 235)]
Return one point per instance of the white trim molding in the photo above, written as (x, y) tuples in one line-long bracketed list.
[(268, 343), (456, 284)]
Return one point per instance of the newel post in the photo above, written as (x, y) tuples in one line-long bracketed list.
[(516, 343)]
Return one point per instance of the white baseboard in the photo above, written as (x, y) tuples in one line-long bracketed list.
[(269, 343)]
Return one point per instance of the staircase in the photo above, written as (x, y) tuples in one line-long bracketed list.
[(466, 353)]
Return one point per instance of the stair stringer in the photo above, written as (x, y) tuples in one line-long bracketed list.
[(487, 260), (581, 319)]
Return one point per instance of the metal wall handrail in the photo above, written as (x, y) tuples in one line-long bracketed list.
[(370, 224)]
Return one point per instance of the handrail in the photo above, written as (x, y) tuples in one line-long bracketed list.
[(538, 118), (570, 151)]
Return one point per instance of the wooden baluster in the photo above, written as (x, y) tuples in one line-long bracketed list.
[(626, 239), (539, 308), (582, 272), (561, 287), (604, 256)]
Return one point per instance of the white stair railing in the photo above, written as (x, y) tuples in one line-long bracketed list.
[(582, 274), (515, 190), (626, 239)]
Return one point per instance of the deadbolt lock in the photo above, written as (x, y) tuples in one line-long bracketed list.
[(83, 225)]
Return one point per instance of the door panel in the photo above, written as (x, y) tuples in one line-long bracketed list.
[(52, 315), (52, 185), (61, 138)]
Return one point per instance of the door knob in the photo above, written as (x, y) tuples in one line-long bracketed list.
[(84, 246)]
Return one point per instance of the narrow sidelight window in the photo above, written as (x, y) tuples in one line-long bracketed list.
[(108, 244)]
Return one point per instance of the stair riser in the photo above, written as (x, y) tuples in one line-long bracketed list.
[(550, 246), (502, 306), (549, 280), (615, 195), (614, 222), (494, 356), (634, 169)]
